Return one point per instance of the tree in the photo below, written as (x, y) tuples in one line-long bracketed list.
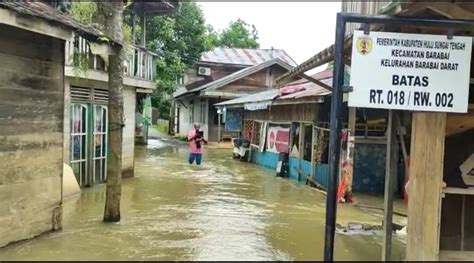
[(239, 34), (179, 39), (112, 14)]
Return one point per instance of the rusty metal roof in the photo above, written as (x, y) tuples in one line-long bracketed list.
[(310, 89), (46, 12), (245, 56)]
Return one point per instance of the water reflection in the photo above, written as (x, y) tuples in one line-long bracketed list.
[(223, 210)]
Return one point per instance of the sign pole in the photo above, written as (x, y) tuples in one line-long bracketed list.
[(334, 140)]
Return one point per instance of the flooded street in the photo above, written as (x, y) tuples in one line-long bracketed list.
[(223, 210)]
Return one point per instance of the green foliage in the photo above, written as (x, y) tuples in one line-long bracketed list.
[(239, 34), (179, 38), (162, 104), (84, 12), (87, 13), (80, 64), (162, 127)]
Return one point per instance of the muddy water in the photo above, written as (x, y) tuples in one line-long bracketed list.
[(223, 210)]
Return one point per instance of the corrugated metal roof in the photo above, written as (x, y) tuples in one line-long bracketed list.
[(261, 96), (242, 73), (245, 56), (310, 89)]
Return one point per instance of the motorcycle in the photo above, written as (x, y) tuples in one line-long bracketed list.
[(241, 148)]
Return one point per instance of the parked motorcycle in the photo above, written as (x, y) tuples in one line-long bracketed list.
[(241, 148)]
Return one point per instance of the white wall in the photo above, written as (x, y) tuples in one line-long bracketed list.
[(185, 124), (67, 123), (128, 145)]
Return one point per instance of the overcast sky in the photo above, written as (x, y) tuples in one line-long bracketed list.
[(300, 28)]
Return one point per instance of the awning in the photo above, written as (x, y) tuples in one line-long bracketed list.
[(253, 106)]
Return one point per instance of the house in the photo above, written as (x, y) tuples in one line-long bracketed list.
[(32, 101), (222, 74), (435, 147), (300, 110), (86, 93)]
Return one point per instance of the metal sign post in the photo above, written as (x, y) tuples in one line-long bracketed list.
[(336, 102)]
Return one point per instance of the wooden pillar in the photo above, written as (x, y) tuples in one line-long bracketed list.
[(391, 162), (424, 189), (134, 25), (143, 23), (351, 145), (352, 120), (300, 148), (219, 126)]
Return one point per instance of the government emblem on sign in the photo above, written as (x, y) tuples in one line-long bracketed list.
[(364, 45)]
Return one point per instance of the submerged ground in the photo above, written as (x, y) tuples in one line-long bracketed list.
[(223, 210)]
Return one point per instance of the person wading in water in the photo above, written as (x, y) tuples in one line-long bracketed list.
[(195, 139)]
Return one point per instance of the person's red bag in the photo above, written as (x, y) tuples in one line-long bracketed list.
[(340, 190)]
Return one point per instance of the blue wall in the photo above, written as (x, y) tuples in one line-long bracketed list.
[(266, 159), (270, 160), (322, 174), (369, 168)]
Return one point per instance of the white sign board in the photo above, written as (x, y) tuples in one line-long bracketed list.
[(416, 72)]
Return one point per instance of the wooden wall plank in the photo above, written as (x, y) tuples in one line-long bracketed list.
[(31, 132), (25, 225), (31, 45), (18, 167), (31, 195)]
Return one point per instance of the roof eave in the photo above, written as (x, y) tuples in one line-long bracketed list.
[(35, 24)]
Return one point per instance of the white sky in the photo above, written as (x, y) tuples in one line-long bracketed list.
[(300, 28)]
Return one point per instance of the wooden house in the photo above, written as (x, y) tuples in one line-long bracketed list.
[(303, 115), (440, 145), (32, 100), (223, 74)]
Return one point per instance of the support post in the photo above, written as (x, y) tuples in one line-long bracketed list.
[(300, 148), (134, 25), (334, 140), (391, 161), (143, 24), (426, 177), (352, 120), (351, 148), (219, 127)]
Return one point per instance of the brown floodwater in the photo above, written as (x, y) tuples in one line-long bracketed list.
[(223, 210)]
